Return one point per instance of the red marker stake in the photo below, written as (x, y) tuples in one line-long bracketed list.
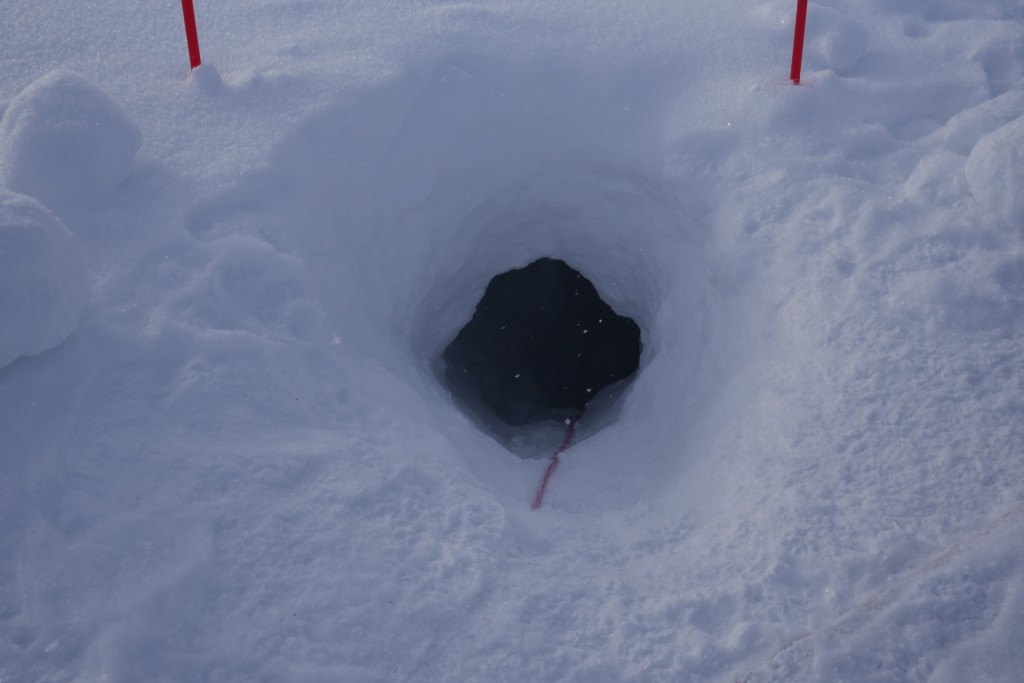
[(190, 33), (798, 41)]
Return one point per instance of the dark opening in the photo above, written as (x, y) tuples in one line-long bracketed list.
[(540, 345)]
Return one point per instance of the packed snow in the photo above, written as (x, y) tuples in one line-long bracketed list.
[(227, 449)]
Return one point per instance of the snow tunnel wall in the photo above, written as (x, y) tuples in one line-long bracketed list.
[(406, 203)]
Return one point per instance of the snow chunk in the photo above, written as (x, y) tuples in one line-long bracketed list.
[(995, 172), (63, 140), (834, 39), (43, 284), (964, 129)]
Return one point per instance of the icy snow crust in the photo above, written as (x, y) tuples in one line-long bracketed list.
[(244, 467)]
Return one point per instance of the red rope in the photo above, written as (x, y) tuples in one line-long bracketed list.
[(539, 498)]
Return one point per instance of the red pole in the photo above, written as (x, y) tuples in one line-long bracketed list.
[(190, 33), (798, 41)]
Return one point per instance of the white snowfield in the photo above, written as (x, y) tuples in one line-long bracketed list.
[(241, 465)]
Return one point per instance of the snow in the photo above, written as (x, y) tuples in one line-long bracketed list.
[(62, 140), (43, 283), (995, 172), (837, 41), (965, 129), (243, 464)]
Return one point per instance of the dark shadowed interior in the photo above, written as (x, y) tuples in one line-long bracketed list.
[(540, 346)]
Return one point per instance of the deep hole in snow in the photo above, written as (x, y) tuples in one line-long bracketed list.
[(540, 345)]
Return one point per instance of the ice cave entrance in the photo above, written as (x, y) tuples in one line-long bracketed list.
[(540, 346)]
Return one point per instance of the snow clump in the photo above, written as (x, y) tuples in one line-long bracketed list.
[(43, 284), (62, 140)]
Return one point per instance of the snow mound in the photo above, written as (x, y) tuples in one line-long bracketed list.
[(43, 283), (62, 140), (995, 172)]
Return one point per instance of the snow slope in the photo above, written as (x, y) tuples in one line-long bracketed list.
[(240, 465)]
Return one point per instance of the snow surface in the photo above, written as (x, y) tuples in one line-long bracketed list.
[(242, 466)]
